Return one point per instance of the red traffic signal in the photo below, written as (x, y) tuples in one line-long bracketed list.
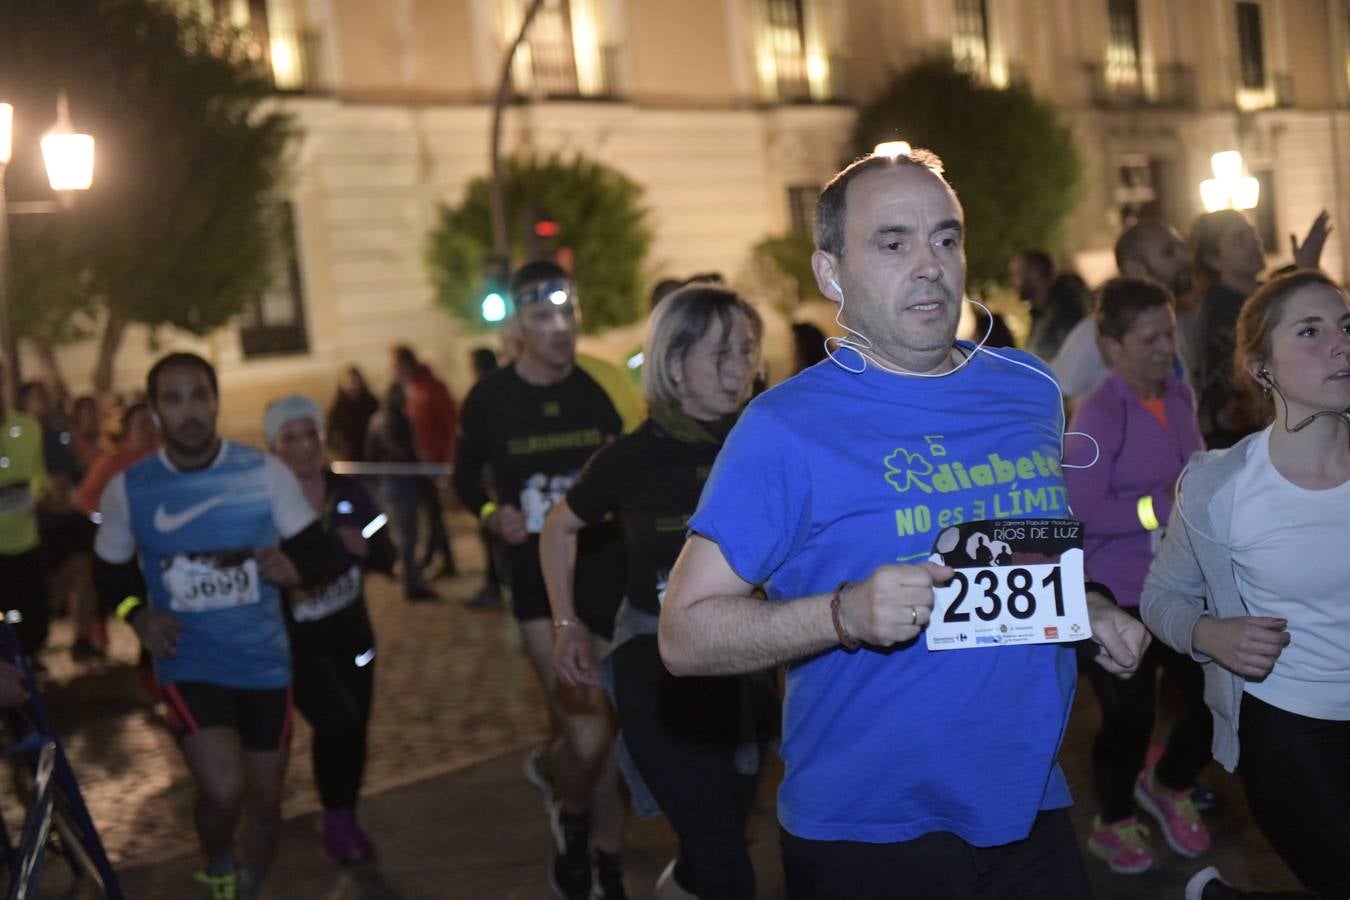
[(546, 228)]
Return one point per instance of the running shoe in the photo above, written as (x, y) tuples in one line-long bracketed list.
[(1207, 884), (219, 887), (1181, 825), (609, 874), (343, 839), (570, 874), (422, 594), (1122, 845)]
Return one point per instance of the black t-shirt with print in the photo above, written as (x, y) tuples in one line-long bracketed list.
[(536, 439), (652, 481)]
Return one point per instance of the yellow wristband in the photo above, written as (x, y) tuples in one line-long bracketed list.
[(1147, 517), (485, 511), (127, 606)]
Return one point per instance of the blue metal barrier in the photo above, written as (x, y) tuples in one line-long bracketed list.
[(56, 800)]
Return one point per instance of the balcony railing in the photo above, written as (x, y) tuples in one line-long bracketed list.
[(1277, 94), (1173, 88), (553, 69), (795, 82)]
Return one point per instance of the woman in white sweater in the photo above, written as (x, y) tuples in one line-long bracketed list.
[(1253, 579)]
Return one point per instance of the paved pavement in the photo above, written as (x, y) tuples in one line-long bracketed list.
[(456, 709)]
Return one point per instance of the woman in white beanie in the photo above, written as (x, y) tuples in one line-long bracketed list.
[(332, 644)]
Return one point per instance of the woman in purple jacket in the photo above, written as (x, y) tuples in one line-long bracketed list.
[(1143, 420)]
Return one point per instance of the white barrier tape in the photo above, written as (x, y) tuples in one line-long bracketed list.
[(351, 467)]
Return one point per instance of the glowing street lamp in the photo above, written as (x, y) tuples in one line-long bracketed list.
[(1229, 188), (69, 158)]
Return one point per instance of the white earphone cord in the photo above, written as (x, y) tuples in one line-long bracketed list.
[(864, 344)]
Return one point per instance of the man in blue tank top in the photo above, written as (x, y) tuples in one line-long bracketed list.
[(193, 544), (910, 771)]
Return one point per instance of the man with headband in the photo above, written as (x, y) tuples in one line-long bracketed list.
[(535, 422), (931, 769)]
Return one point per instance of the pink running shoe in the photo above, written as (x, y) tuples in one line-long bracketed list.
[(343, 839), (1181, 825), (1122, 845)]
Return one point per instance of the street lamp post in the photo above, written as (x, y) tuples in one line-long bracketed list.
[(69, 158)]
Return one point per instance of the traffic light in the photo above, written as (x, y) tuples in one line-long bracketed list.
[(495, 305)]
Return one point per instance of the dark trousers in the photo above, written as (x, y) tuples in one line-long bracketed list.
[(683, 734), (940, 866), (438, 538), (23, 589), (1119, 750), (1296, 772), (333, 693)]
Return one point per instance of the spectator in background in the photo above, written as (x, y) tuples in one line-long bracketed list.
[(23, 483), (67, 535), (1148, 250), (86, 438), (137, 438), (349, 415), (1030, 275), (1229, 259), (434, 416), (390, 439), (808, 346)]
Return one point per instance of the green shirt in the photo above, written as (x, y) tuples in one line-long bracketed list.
[(23, 480)]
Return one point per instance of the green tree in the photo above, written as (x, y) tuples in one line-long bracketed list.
[(180, 225), (789, 256), (600, 219), (1006, 152)]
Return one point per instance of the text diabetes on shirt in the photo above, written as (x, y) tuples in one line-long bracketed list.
[(1018, 581)]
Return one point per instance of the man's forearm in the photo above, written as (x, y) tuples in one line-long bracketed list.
[(737, 634)]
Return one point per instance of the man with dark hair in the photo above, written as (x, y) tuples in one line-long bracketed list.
[(214, 527), (435, 419), (536, 422), (1153, 250), (928, 771)]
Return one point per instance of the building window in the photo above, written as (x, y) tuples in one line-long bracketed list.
[(1251, 47), (970, 38), (564, 54), (802, 207), (274, 324), (1122, 47), (789, 56), (1141, 191)]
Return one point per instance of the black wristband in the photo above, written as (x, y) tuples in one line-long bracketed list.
[(1096, 587)]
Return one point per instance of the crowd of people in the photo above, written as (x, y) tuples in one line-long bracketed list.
[(667, 555)]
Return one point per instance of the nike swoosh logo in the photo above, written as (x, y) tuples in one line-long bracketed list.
[(166, 521)]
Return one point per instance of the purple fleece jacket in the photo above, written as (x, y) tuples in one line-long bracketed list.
[(1138, 457)]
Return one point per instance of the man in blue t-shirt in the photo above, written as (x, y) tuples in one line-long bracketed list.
[(909, 772), (193, 543)]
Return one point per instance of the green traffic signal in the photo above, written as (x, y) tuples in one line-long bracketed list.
[(494, 307)]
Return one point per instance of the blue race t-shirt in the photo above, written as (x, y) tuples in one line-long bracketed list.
[(832, 474), (194, 533)]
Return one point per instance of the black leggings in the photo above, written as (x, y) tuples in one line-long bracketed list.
[(940, 866), (683, 734), (1296, 772), (333, 692), (1119, 750)]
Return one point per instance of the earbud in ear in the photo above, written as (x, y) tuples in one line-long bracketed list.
[(1264, 375), (834, 283)]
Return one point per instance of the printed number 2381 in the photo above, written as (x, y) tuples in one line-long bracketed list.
[(1020, 600)]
